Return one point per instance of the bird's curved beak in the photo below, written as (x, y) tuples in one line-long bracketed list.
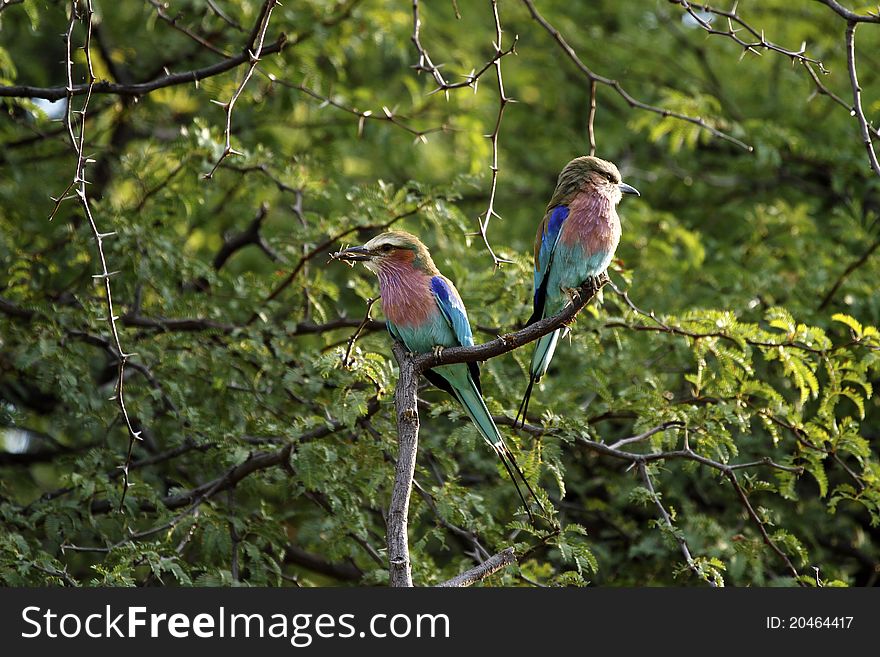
[(354, 254), (628, 189)]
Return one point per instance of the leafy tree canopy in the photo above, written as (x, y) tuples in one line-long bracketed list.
[(712, 421)]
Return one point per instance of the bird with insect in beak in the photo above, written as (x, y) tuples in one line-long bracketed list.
[(425, 312), (576, 241)]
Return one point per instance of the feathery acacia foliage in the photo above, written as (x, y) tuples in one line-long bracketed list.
[(712, 421)]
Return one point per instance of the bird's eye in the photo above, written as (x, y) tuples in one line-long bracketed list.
[(385, 248), (609, 177)]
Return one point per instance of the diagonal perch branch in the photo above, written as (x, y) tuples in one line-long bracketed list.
[(581, 296), (478, 573), (406, 407)]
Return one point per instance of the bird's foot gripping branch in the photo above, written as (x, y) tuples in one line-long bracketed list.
[(406, 408)]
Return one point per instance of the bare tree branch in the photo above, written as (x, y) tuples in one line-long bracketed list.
[(480, 572), (78, 187), (140, 88), (173, 22), (731, 476), (254, 50), (614, 84), (386, 115), (851, 16), (426, 64), (732, 32), (406, 407), (857, 94), (503, 100), (640, 460), (250, 235)]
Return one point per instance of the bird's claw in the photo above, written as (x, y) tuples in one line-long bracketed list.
[(437, 351), (596, 282)]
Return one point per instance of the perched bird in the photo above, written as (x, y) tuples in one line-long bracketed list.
[(425, 312), (575, 242)]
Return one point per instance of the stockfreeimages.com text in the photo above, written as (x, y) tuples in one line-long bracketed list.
[(299, 629)]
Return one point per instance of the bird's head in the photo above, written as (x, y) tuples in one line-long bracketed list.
[(392, 249), (591, 174)]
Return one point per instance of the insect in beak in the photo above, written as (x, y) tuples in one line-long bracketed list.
[(353, 254)]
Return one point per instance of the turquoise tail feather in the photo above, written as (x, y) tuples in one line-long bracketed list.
[(544, 350), (541, 357), (473, 404)]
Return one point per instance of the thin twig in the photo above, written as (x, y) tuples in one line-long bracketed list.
[(426, 65), (846, 272), (503, 100), (591, 131), (223, 15), (728, 470), (255, 51), (667, 519), (346, 357), (857, 94), (645, 435), (173, 22), (659, 325), (731, 476), (386, 115)]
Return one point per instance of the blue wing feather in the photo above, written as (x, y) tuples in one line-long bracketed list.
[(453, 309), (551, 227)]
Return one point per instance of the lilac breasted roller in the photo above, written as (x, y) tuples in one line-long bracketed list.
[(576, 241), (424, 311)]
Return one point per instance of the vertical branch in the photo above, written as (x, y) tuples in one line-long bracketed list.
[(78, 187), (503, 100), (591, 133), (399, 566), (857, 110)]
